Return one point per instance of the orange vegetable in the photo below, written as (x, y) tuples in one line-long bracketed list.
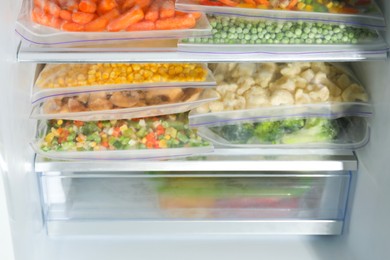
[(263, 2), (196, 15), (251, 2), (70, 5), (229, 2), (87, 6), (128, 18), (142, 26), (105, 6), (153, 12), (73, 27), (127, 4), (167, 9), (48, 6), (292, 4), (143, 3), (82, 18), (39, 16), (100, 23), (179, 22), (66, 15)]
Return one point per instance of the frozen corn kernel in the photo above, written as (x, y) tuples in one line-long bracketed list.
[(78, 75)]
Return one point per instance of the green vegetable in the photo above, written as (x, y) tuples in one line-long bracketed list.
[(232, 30), (236, 133)]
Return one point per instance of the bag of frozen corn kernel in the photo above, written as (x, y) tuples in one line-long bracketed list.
[(281, 90), (124, 104), (79, 78), (162, 137)]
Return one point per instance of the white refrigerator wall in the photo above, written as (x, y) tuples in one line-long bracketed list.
[(366, 235)]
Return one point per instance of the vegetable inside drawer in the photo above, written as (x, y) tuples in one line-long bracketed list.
[(194, 196)]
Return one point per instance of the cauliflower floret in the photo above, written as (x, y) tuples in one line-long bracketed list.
[(210, 93), (320, 95), (265, 74), (229, 101), (203, 109), (226, 88), (320, 67), (293, 69), (244, 69), (321, 79), (244, 83), (220, 79), (240, 103), (301, 97), (283, 83), (216, 106), (353, 93), (308, 75), (343, 81), (300, 82), (281, 97), (257, 97)]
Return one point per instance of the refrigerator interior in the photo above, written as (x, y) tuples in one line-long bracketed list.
[(366, 230)]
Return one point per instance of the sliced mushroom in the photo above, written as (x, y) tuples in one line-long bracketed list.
[(75, 106), (125, 98), (191, 94), (161, 96), (52, 106)]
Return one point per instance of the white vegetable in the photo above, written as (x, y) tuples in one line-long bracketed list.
[(294, 69), (216, 106), (321, 79), (244, 83), (320, 67), (281, 97), (353, 93), (343, 81), (320, 95), (244, 69), (257, 97), (283, 83), (226, 88), (265, 74), (308, 75), (301, 97), (203, 108)]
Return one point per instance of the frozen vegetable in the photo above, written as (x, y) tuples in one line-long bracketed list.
[(148, 133), (78, 75), (289, 131), (111, 15), (120, 99), (237, 30), (331, 6), (250, 85)]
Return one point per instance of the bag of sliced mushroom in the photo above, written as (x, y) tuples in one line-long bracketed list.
[(134, 103)]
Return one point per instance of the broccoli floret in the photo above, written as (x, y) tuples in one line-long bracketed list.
[(239, 134), (315, 130), (292, 125), (269, 131)]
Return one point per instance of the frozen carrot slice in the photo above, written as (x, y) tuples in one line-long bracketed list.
[(82, 18), (48, 6), (72, 27), (66, 15), (152, 14), (143, 3), (100, 23), (70, 5), (127, 4), (229, 2), (167, 9), (126, 19), (87, 6), (105, 6), (141, 26), (179, 22), (196, 15), (41, 17)]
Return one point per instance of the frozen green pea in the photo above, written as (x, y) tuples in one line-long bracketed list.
[(254, 31), (298, 32), (318, 41), (239, 30), (245, 31), (247, 37)]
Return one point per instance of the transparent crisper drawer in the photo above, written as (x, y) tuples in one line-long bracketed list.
[(75, 202)]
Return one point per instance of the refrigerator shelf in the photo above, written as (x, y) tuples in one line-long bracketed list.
[(220, 160), (170, 53), (194, 229)]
